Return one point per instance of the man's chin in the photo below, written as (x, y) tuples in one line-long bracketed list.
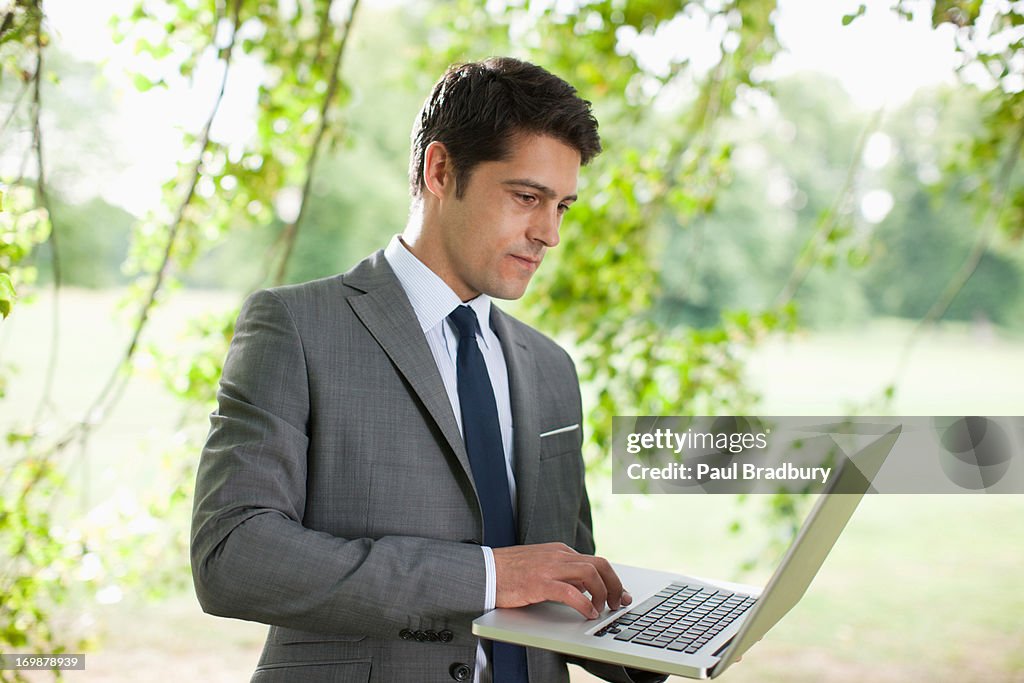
[(511, 297), (507, 291)]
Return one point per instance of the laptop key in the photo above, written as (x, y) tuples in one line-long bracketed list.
[(650, 643), (646, 606), (628, 634)]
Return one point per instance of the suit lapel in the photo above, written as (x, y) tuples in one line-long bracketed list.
[(387, 314), (522, 380)]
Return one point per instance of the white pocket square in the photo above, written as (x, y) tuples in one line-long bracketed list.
[(561, 430)]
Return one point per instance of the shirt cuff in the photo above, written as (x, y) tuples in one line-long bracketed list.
[(491, 591)]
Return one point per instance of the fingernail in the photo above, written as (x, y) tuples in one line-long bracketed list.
[(593, 613), (627, 599)]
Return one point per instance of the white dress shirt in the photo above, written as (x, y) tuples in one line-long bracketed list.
[(432, 301)]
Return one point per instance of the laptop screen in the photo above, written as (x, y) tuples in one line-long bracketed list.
[(813, 542)]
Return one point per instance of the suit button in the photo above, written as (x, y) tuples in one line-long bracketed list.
[(446, 636), (421, 636), (432, 636), (460, 672), (405, 634)]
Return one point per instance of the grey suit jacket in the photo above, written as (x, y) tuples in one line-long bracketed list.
[(334, 498)]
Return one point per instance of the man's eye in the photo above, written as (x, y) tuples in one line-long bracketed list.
[(527, 198), (562, 208)]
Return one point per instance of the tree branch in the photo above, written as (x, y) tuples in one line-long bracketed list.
[(291, 231), (993, 212), (114, 388), (828, 222), (8, 20), (14, 107), (44, 201), (705, 117)]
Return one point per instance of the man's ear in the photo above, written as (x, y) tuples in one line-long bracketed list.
[(438, 173)]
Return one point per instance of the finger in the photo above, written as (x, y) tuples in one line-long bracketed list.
[(611, 582), (591, 578), (567, 594)]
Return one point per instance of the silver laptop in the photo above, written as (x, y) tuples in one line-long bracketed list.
[(694, 627)]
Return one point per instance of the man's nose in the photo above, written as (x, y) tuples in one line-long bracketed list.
[(545, 228)]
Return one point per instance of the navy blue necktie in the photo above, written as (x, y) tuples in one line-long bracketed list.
[(482, 433)]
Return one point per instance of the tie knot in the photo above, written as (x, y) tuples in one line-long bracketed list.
[(465, 321)]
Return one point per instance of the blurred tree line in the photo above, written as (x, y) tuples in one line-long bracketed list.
[(726, 207), (792, 155)]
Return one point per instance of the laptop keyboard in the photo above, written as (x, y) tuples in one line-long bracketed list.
[(682, 618)]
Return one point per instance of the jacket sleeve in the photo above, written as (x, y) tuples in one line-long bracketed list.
[(253, 559)]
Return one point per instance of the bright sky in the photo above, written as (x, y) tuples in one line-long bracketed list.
[(879, 59)]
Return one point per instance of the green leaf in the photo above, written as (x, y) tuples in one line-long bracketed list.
[(142, 83), (849, 18), (957, 12), (7, 294)]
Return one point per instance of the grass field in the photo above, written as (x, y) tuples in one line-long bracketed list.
[(918, 588)]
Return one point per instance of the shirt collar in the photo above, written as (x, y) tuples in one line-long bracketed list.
[(431, 297)]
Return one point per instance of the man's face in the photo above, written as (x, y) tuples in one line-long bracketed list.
[(494, 237)]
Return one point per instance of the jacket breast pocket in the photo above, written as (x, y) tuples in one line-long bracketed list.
[(560, 440), (561, 493)]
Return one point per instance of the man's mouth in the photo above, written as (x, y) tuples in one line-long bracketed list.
[(528, 261)]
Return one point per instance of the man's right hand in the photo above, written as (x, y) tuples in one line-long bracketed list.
[(528, 574)]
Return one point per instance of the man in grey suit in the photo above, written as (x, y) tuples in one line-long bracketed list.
[(392, 455)]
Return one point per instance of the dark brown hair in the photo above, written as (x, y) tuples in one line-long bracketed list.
[(476, 110)]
